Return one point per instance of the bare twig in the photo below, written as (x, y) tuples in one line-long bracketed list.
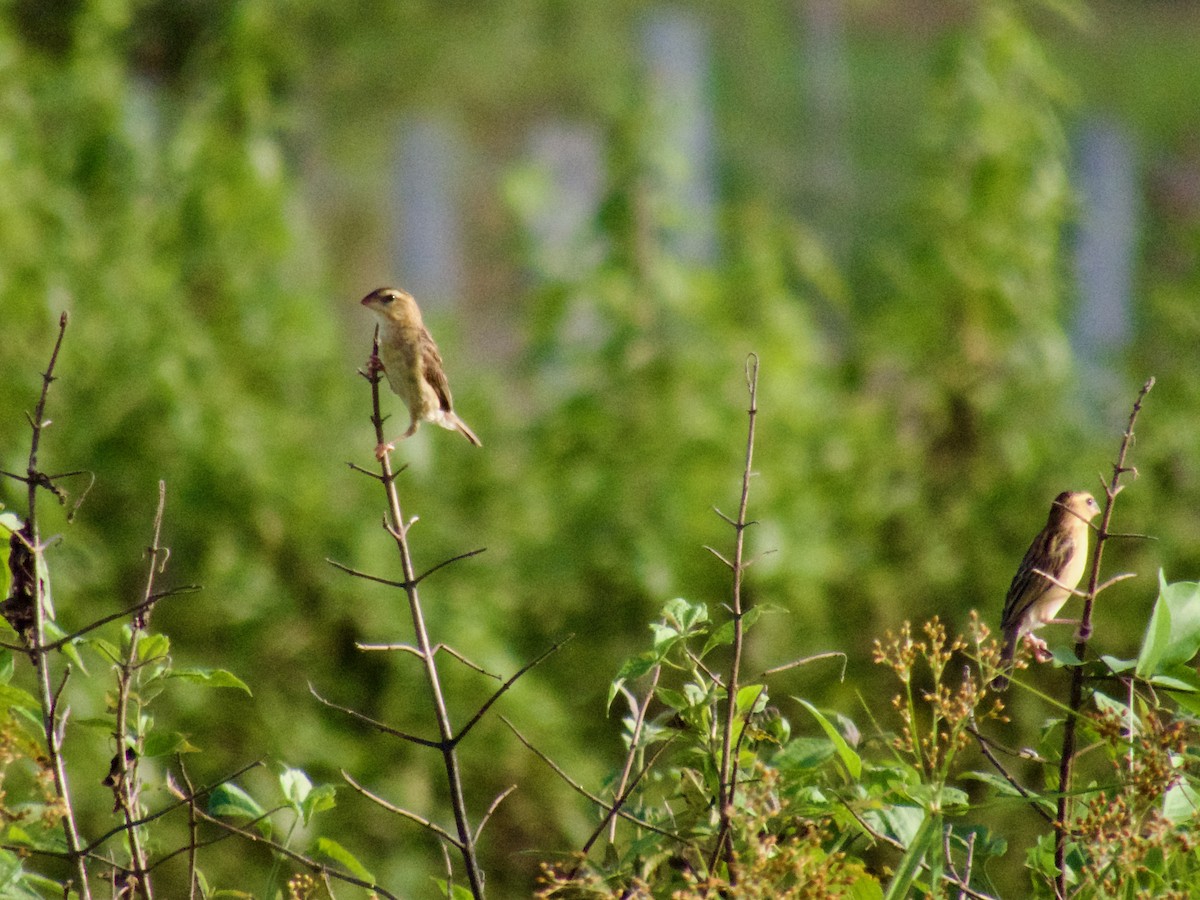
[(404, 813), (375, 723), (500, 798), (396, 527), (584, 792), (41, 661), (727, 786), (437, 648), (1111, 489), (311, 864), (986, 749), (766, 673), (500, 691)]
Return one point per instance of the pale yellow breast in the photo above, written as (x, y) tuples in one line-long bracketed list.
[(400, 354)]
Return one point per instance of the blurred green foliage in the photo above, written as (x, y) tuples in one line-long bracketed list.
[(199, 185)]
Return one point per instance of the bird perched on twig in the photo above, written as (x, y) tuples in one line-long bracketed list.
[(1052, 567), (413, 365)]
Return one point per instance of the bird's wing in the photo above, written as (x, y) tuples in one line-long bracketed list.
[(434, 372), (1050, 552)]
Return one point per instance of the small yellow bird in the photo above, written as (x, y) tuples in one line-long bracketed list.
[(1033, 600), (413, 365)]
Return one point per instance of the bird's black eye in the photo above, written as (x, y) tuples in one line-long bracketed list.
[(386, 299)]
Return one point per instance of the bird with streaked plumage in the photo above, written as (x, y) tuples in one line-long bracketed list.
[(413, 365), (1033, 600)]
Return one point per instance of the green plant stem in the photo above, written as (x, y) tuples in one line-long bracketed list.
[(128, 786)]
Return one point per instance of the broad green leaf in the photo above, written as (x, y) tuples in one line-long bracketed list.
[(319, 799), (11, 697), (153, 647), (903, 821), (723, 635), (1173, 634), (1117, 666), (1181, 803), (167, 743), (105, 648), (295, 786), (866, 887), (672, 698), (751, 698), (457, 892), (231, 801), (1188, 701), (217, 678), (634, 667), (686, 614), (325, 848), (803, 753), (69, 650), (910, 864), (1001, 785), (8, 634), (851, 760)]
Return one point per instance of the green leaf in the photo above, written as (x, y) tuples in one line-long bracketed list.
[(319, 799), (723, 635), (1000, 785), (331, 850), (1173, 633), (166, 743), (751, 698), (851, 760), (458, 892), (1180, 803), (672, 698), (910, 864), (295, 786), (105, 648), (634, 667), (8, 634), (11, 697), (69, 650), (1177, 678), (1117, 666), (216, 678), (153, 647), (231, 801), (802, 754), (687, 615)]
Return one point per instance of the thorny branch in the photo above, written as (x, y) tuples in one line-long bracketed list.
[(1111, 488), (52, 721), (727, 774)]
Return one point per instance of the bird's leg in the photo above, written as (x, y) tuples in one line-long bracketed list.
[(389, 447), (1040, 651)]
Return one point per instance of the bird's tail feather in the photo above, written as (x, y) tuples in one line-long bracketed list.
[(1000, 682), (465, 429)]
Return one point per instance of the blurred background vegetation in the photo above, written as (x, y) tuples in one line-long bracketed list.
[(958, 236)]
